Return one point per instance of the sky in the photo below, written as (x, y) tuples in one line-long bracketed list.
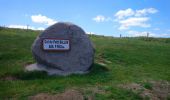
[(129, 18)]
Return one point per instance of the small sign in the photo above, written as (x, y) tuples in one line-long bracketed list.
[(56, 44)]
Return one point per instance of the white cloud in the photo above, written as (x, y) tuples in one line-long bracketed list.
[(146, 11), (138, 13), (43, 19), (101, 18), (133, 21), (144, 33), (94, 33), (40, 28), (25, 27), (90, 33), (137, 33), (124, 13), (165, 35), (18, 26), (134, 18)]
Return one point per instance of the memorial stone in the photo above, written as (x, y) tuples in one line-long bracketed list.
[(62, 49)]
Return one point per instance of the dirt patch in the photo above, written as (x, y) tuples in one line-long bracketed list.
[(95, 90), (8, 78), (160, 90), (71, 94), (90, 92), (132, 86), (67, 95)]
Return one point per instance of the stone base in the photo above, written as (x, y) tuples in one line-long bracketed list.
[(51, 71)]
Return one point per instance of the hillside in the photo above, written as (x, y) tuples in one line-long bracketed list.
[(121, 64)]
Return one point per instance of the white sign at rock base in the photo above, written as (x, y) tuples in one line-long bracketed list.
[(56, 44)]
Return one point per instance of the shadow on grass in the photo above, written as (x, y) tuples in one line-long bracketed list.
[(95, 70), (31, 75)]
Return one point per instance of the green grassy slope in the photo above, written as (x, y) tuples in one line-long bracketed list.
[(117, 61)]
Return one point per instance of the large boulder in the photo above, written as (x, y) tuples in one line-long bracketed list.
[(78, 59)]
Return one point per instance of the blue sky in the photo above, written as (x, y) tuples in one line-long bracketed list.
[(102, 17)]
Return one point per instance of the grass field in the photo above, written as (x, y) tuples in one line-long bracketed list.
[(117, 61)]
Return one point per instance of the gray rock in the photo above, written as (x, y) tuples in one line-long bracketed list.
[(77, 60)]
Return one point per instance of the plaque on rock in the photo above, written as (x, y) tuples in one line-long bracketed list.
[(56, 44)]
